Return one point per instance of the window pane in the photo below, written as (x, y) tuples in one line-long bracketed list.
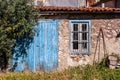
[(75, 36), (75, 45), (84, 27), (84, 45), (84, 36), (75, 27)]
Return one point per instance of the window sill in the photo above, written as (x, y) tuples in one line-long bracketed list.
[(80, 53)]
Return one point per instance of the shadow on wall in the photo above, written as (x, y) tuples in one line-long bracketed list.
[(19, 49)]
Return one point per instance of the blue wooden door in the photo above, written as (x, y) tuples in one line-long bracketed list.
[(43, 52)]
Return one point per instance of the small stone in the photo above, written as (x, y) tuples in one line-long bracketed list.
[(112, 67)]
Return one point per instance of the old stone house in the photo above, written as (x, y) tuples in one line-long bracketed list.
[(70, 36)]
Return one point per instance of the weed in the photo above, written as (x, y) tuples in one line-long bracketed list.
[(89, 72)]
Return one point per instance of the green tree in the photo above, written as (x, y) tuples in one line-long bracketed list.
[(17, 18)]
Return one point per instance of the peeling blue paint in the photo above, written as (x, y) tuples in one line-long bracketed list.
[(43, 52)]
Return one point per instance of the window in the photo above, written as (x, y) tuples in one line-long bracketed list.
[(80, 37)]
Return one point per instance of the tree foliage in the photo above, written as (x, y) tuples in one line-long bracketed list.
[(16, 20)]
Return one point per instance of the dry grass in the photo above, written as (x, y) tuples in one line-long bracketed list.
[(89, 72)]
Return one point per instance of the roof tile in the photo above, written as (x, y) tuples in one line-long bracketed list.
[(90, 9)]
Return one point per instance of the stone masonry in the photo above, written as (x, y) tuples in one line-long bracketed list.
[(111, 27)]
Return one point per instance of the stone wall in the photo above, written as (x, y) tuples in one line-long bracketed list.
[(110, 27), (65, 59), (63, 50)]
